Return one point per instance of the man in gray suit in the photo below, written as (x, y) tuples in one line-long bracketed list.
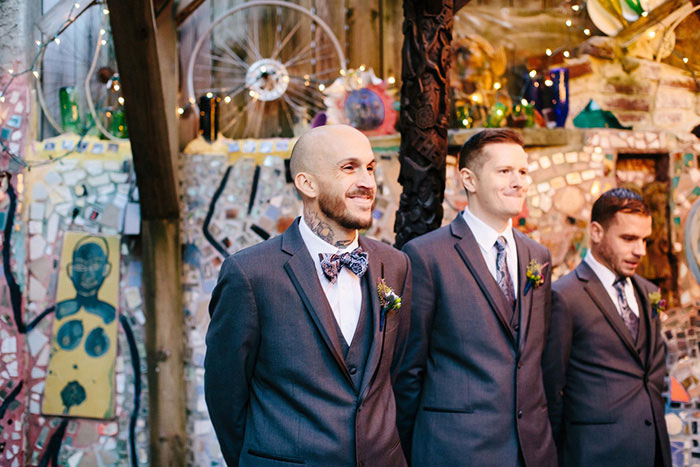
[(604, 361), (470, 389), (301, 349)]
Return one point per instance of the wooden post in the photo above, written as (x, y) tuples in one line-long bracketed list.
[(424, 117), (146, 48)]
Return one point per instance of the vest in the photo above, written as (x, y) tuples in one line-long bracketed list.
[(356, 353)]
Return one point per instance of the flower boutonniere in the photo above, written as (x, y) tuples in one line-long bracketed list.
[(658, 304), (388, 300), (534, 275)]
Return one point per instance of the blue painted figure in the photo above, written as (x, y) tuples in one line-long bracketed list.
[(88, 271)]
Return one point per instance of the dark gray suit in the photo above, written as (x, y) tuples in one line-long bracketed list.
[(470, 389), (604, 390), (277, 382)]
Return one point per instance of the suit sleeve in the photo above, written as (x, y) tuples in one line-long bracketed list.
[(404, 324), (555, 361), (232, 343), (409, 382)]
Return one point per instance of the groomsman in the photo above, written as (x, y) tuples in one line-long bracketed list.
[(470, 389), (306, 328), (604, 361)]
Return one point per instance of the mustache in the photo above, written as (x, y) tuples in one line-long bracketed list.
[(364, 192)]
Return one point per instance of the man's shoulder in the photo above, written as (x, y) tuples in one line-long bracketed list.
[(433, 239), (567, 282), (645, 284), (260, 253), (535, 247)]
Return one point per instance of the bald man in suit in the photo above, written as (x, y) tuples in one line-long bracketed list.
[(300, 350)]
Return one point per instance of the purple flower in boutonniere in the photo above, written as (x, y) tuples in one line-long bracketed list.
[(658, 304), (534, 275), (388, 300)]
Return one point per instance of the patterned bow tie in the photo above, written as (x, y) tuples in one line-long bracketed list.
[(332, 263)]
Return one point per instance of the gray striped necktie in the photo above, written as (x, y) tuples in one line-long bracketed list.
[(631, 320), (505, 282)]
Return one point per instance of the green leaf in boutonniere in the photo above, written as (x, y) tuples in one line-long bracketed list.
[(658, 304), (388, 300), (534, 275)]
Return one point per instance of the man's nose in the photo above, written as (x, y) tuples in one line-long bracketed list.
[(640, 248), (366, 179)]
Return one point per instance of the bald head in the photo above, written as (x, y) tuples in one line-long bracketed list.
[(322, 145)]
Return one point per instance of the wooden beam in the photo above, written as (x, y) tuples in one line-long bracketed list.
[(186, 11), (146, 51), (141, 51)]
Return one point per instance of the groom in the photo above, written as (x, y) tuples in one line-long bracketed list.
[(470, 390), (301, 349)]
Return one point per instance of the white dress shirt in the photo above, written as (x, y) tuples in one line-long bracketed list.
[(608, 278), (486, 237), (345, 296)]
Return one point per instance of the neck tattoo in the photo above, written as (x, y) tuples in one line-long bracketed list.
[(324, 230)]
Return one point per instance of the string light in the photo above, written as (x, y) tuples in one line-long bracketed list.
[(105, 11), (533, 73), (497, 85), (587, 32), (321, 87), (566, 54), (227, 99), (568, 23), (390, 79), (575, 7), (685, 59), (548, 52), (651, 34), (180, 110)]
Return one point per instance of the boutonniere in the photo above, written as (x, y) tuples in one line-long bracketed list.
[(658, 304), (388, 300), (534, 275)]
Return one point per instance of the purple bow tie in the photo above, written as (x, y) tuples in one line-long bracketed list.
[(355, 261)]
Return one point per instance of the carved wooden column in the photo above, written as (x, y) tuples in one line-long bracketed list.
[(424, 114)]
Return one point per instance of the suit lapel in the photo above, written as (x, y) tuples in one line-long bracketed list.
[(645, 315), (600, 297), (469, 251), (302, 271), (524, 301), (374, 271)]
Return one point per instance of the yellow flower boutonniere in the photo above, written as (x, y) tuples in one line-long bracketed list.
[(534, 275)]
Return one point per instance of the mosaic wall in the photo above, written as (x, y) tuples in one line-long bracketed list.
[(90, 191), (253, 200)]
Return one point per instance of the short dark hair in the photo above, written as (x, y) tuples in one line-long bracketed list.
[(617, 200), (470, 155)]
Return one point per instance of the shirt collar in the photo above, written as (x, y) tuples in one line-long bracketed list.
[(316, 244), (486, 235), (606, 276)]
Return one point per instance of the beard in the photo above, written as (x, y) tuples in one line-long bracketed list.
[(333, 207)]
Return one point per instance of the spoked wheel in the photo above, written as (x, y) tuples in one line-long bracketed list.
[(268, 62)]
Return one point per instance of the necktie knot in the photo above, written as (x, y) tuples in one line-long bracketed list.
[(332, 263), (500, 244)]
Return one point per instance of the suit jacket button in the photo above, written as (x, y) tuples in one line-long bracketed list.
[(352, 370), (520, 414), (516, 327), (520, 365), (647, 422)]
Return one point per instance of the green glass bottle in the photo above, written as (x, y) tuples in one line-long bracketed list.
[(70, 115)]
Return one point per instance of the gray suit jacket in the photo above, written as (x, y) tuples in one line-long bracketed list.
[(470, 389), (276, 384), (603, 389)]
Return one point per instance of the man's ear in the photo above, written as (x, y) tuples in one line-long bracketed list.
[(597, 232), (469, 180), (306, 184)]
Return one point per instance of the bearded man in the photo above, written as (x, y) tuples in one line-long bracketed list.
[(307, 329)]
